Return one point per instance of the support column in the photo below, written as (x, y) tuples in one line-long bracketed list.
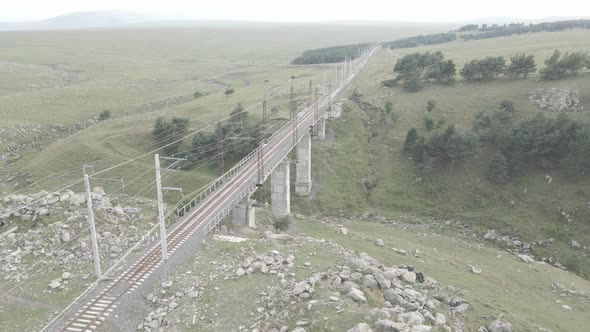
[(303, 166), (244, 213), (280, 196), (321, 128)]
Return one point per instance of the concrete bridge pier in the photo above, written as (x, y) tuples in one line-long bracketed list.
[(244, 213), (320, 129), (303, 166), (280, 195)]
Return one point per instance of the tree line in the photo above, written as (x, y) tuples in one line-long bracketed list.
[(416, 70), (442, 147), (486, 31), (557, 66), (329, 54), (559, 143), (238, 133), (495, 30), (438, 38)]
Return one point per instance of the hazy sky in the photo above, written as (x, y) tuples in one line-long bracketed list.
[(305, 10)]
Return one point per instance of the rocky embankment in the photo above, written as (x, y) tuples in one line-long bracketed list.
[(53, 230), (298, 296)]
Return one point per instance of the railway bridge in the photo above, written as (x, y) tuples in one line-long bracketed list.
[(228, 194)]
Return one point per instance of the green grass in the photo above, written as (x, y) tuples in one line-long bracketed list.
[(81, 73)]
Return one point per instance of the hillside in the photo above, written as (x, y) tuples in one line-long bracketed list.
[(529, 208)]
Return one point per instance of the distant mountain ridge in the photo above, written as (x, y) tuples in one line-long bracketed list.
[(83, 20)]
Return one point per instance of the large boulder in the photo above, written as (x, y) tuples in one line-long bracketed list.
[(54, 284), (65, 236), (386, 325), (301, 287), (361, 327), (409, 276), (392, 296), (370, 282), (357, 295), (383, 282), (500, 325), (411, 318), (77, 199)]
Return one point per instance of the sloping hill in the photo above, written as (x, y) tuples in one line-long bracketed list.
[(82, 20)]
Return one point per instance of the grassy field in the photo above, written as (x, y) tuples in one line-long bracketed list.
[(67, 77)]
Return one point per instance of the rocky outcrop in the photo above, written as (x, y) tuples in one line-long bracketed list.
[(557, 100), (360, 279), (272, 263), (156, 320), (63, 241)]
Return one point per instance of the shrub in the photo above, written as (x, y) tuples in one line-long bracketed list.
[(229, 91), (428, 122), (388, 107), (281, 224), (168, 132), (430, 105), (413, 84), (104, 115), (410, 142), (499, 169), (507, 106)]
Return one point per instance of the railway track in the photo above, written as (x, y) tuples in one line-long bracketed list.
[(99, 308)]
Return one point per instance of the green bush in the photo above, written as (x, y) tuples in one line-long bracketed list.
[(428, 122), (499, 169), (104, 115), (281, 224), (229, 91)]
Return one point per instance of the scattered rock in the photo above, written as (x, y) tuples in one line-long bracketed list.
[(379, 243), (440, 319), (65, 236), (557, 99), (54, 284), (66, 276), (526, 258), (576, 245), (475, 269), (490, 235), (500, 325)]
